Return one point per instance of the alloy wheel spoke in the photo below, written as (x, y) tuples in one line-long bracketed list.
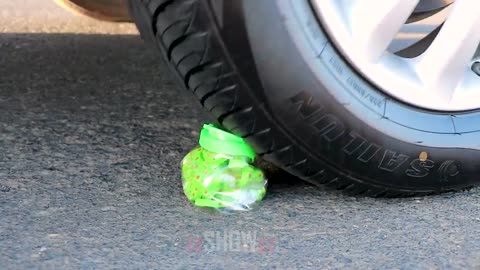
[(373, 34), (443, 64)]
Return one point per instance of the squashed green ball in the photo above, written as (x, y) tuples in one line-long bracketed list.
[(218, 181)]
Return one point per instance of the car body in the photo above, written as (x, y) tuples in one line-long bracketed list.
[(108, 10)]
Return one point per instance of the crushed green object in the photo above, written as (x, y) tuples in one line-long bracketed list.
[(222, 142), (219, 173)]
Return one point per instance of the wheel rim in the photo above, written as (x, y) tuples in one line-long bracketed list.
[(423, 52)]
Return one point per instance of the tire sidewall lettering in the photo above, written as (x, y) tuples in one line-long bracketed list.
[(330, 129)]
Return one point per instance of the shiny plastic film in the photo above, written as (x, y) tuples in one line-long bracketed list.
[(220, 173)]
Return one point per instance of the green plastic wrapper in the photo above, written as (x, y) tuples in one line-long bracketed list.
[(220, 173)]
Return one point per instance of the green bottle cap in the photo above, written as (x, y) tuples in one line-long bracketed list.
[(216, 140)]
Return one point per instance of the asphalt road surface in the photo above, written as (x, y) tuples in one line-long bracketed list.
[(92, 129)]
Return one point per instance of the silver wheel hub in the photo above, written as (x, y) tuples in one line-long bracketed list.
[(422, 52)]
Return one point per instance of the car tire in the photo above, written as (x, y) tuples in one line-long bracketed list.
[(267, 71)]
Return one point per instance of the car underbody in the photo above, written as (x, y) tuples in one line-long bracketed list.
[(107, 10)]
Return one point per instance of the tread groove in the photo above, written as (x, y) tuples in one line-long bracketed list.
[(200, 68), (216, 92), (181, 39), (157, 12), (234, 111)]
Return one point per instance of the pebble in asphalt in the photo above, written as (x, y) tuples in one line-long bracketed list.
[(92, 129)]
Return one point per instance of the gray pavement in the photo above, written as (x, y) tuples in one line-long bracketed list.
[(92, 129)]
